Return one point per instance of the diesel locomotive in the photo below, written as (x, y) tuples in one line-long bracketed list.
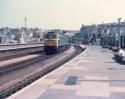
[(55, 42)]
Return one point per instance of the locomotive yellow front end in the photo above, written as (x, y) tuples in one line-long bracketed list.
[(50, 43)]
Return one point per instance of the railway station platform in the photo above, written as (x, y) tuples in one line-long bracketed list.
[(18, 46), (9, 51), (93, 74)]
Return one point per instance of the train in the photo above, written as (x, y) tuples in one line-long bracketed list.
[(55, 42)]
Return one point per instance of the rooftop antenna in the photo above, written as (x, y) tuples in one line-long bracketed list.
[(25, 21)]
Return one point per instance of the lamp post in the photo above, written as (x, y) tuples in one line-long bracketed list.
[(25, 29), (119, 41)]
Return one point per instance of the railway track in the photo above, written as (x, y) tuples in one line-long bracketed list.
[(35, 70), (20, 62)]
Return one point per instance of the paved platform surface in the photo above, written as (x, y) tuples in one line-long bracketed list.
[(91, 75)]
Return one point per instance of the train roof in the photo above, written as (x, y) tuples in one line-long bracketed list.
[(58, 32)]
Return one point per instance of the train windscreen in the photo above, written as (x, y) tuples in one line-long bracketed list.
[(50, 36)]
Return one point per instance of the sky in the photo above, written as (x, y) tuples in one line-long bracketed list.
[(60, 14)]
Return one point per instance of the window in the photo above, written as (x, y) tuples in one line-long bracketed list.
[(50, 36)]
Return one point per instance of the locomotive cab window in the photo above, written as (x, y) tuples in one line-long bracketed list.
[(50, 36)]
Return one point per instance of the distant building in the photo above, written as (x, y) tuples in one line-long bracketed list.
[(3, 39), (108, 33), (86, 33)]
